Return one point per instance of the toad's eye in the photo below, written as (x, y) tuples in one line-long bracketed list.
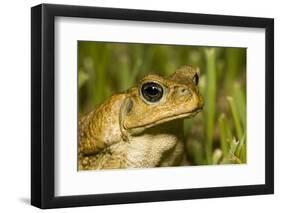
[(196, 79), (151, 91)]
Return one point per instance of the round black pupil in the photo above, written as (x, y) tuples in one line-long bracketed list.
[(152, 92)]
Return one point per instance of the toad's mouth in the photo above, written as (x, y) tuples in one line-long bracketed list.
[(167, 119)]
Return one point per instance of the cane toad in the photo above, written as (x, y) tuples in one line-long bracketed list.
[(142, 127)]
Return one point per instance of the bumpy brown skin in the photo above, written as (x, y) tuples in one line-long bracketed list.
[(128, 132)]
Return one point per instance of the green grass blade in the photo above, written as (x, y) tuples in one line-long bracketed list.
[(224, 134), (240, 102), (235, 116), (210, 101)]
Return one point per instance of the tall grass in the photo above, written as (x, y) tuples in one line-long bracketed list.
[(216, 136)]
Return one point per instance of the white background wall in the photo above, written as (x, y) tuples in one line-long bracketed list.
[(15, 105)]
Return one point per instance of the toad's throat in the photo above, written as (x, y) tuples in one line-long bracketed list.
[(164, 120)]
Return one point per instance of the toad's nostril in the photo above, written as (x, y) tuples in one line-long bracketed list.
[(184, 91)]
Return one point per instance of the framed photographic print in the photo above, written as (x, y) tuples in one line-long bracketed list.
[(139, 106)]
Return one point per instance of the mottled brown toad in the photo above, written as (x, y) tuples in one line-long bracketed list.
[(142, 127)]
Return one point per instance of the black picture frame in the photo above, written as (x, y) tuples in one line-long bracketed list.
[(43, 102)]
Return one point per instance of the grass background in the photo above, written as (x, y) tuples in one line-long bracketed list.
[(215, 136)]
